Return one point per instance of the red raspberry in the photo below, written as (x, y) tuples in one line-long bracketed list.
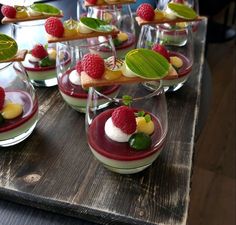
[(2, 97), (93, 65), (54, 27), (123, 117), (8, 11), (179, 1), (39, 51), (162, 50), (78, 67), (91, 1), (146, 12)]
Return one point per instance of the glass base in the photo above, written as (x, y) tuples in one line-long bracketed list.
[(45, 83), (19, 138)]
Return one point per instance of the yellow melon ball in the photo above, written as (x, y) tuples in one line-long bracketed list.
[(143, 126), (12, 110), (176, 61)]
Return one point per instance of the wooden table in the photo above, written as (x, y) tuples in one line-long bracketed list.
[(54, 169)]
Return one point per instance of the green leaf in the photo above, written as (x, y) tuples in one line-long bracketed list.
[(96, 24), (45, 8), (147, 118), (8, 47), (140, 141), (117, 42), (182, 11), (127, 99), (46, 62), (146, 63), (140, 113)]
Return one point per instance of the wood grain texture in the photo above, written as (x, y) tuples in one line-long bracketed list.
[(54, 169)]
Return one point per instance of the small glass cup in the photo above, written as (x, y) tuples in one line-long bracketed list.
[(19, 115), (118, 155), (178, 43), (41, 72), (121, 17), (69, 79)]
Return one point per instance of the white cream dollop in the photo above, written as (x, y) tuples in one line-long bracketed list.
[(74, 77), (127, 72), (115, 133), (33, 59), (169, 14), (83, 29)]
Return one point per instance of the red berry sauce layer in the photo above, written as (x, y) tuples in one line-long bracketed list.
[(98, 140), (77, 91), (29, 109)]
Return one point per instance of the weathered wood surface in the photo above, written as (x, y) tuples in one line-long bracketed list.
[(55, 170)]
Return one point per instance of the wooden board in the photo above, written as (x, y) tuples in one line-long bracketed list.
[(141, 22), (104, 3), (54, 169), (6, 20)]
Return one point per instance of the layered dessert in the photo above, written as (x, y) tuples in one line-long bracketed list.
[(126, 140), (70, 85), (18, 116), (180, 67), (40, 65)]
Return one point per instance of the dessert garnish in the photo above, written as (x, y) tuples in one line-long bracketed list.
[(139, 65), (8, 50), (174, 13), (8, 110), (40, 56), (107, 2), (124, 126), (36, 11), (72, 30)]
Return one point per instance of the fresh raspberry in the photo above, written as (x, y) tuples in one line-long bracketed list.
[(54, 27), (39, 51), (79, 67), (91, 1), (179, 1), (2, 97), (146, 12), (162, 50), (93, 65), (8, 11), (123, 117)]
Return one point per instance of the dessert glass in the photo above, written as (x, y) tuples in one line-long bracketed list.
[(18, 90), (116, 156), (69, 53), (121, 17), (178, 42), (28, 34)]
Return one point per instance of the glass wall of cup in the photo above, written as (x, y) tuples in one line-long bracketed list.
[(128, 135), (174, 42), (19, 113), (121, 17), (40, 62), (70, 58)]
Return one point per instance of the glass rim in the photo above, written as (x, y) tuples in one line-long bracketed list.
[(4, 65), (153, 92), (30, 24)]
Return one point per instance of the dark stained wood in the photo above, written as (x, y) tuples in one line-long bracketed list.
[(54, 169)]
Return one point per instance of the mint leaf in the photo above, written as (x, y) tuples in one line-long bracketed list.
[(141, 113), (46, 62), (127, 99), (147, 118)]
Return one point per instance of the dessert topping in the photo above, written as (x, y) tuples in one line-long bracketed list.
[(79, 67), (123, 117), (2, 97), (162, 50), (176, 61), (39, 51), (54, 27), (146, 12), (74, 77), (92, 1), (113, 68), (8, 11), (70, 27), (93, 65), (145, 124), (140, 141), (21, 11), (11, 110), (52, 54)]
